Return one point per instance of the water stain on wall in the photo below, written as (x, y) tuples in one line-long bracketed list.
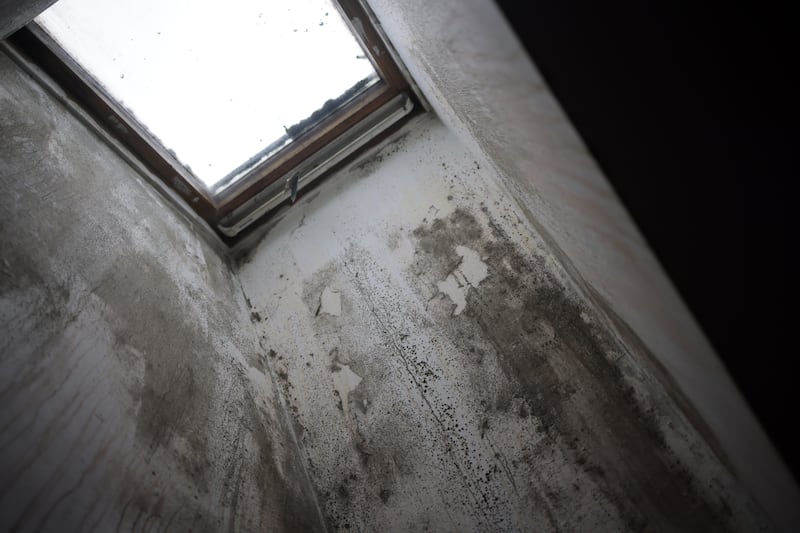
[(179, 410), (558, 366), (525, 371), (127, 397)]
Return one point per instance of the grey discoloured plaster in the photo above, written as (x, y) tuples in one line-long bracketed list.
[(134, 393), (482, 84), (554, 361), (16, 13), (522, 412), (460, 332)]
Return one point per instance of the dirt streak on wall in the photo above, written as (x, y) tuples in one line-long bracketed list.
[(445, 374), (132, 389)]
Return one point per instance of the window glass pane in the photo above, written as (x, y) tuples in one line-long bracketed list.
[(218, 83)]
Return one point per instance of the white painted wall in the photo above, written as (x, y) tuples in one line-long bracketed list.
[(133, 392), (482, 84), (445, 372), (532, 399)]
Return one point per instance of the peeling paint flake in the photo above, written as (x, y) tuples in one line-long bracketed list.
[(344, 382), (470, 272), (330, 303)]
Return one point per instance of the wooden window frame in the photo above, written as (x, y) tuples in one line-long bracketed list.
[(34, 43)]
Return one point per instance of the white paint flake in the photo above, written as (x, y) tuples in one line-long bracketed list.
[(330, 302), (344, 382), (469, 273)]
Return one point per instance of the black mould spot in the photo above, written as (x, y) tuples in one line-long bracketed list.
[(363, 454), (555, 364)]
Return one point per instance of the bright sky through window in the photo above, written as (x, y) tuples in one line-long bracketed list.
[(216, 83)]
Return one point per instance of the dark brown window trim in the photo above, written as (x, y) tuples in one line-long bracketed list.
[(39, 47), (301, 148), (361, 25)]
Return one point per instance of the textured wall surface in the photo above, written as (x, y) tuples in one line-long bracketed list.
[(466, 328), (482, 84), (444, 373), (133, 394)]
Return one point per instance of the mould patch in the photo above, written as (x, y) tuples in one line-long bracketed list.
[(557, 371), (136, 409)]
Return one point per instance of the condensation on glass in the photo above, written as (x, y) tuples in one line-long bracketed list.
[(223, 86)]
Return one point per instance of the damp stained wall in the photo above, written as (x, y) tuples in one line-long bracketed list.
[(481, 351), (444, 372), (482, 84), (133, 392)]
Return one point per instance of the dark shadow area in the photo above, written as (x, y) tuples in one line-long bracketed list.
[(691, 112)]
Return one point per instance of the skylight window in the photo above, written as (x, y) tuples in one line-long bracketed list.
[(235, 106), (218, 102)]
